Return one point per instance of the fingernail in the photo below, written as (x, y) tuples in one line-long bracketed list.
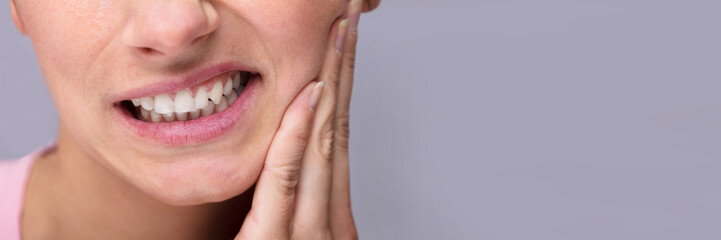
[(356, 7), (340, 38), (315, 95)]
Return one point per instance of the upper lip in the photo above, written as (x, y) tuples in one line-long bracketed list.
[(174, 84)]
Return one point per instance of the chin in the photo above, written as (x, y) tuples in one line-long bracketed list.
[(199, 180)]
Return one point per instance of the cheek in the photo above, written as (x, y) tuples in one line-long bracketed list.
[(67, 37), (295, 34)]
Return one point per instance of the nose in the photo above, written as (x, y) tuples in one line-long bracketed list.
[(169, 27)]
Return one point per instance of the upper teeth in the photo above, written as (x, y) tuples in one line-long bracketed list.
[(185, 106)]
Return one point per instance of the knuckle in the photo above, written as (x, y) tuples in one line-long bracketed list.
[(326, 140), (349, 61), (287, 175), (342, 133)]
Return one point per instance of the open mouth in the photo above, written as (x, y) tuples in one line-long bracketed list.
[(198, 101)]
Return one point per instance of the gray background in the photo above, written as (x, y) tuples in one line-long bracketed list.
[(507, 119)]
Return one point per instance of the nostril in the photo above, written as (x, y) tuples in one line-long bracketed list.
[(146, 50), (170, 28)]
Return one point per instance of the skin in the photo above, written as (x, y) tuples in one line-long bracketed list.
[(103, 182)]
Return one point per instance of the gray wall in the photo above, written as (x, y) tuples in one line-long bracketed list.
[(508, 119)]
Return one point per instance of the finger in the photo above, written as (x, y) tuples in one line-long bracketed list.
[(312, 201), (273, 200), (341, 216), (345, 82)]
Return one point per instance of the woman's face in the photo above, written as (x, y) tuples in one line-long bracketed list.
[(99, 55)]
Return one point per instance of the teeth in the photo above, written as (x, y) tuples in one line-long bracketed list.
[(236, 80), (185, 106), (169, 116), (145, 114), (195, 114), (228, 88), (201, 98), (207, 110), (216, 93), (182, 116), (154, 116), (222, 106), (163, 104), (233, 96), (184, 102), (147, 103)]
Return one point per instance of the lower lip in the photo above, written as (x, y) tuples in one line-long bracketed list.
[(197, 131)]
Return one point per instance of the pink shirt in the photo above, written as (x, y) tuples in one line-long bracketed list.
[(13, 179)]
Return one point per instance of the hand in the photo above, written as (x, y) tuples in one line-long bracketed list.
[(304, 189)]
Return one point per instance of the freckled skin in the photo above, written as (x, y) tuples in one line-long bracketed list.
[(85, 62)]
